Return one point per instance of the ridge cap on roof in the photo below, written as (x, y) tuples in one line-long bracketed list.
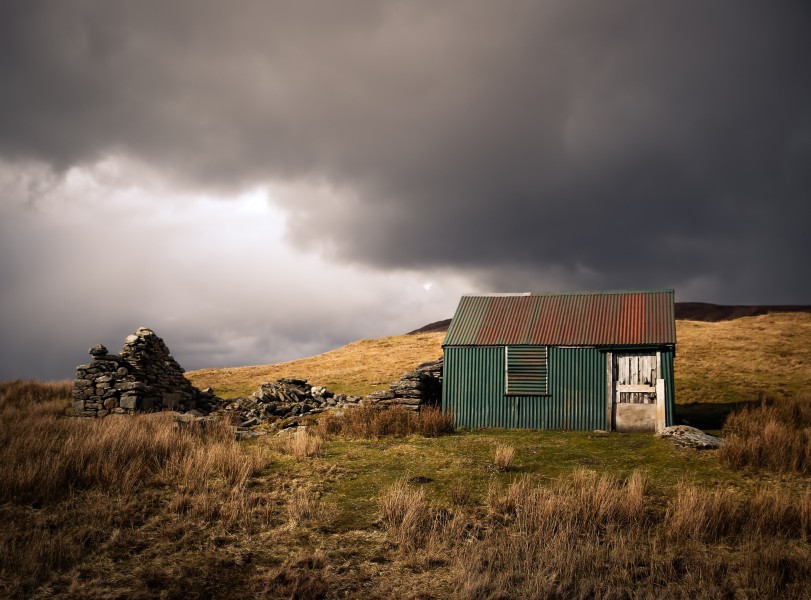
[(586, 293), (497, 294)]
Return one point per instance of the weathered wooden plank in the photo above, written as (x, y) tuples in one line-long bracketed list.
[(636, 387), (609, 389), (661, 414)]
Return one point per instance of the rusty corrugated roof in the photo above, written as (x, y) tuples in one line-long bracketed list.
[(564, 319)]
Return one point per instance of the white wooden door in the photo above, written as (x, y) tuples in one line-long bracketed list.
[(636, 376), (635, 398)]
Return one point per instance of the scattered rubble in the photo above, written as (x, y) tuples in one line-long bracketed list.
[(684, 436), (282, 404), (286, 402)]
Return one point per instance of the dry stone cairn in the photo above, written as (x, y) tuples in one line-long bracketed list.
[(143, 377), (420, 387)]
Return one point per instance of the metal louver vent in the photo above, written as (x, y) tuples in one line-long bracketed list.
[(527, 370)]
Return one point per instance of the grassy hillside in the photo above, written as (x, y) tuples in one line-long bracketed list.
[(743, 359), (357, 368), (721, 362)]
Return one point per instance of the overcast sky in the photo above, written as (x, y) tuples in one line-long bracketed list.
[(259, 181)]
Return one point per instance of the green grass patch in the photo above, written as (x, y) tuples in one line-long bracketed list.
[(363, 468)]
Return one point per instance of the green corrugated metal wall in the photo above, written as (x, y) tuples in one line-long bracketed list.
[(473, 390), (473, 387)]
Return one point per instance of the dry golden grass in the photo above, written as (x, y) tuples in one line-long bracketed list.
[(301, 444), (371, 422), (357, 368), (774, 435), (303, 505), (503, 457), (68, 486), (592, 535), (743, 359), (407, 515)]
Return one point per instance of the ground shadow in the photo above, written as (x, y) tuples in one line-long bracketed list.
[(707, 415)]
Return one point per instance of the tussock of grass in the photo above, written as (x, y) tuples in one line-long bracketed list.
[(503, 457), (357, 368), (303, 505), (772, 435), (46, 457), (300, 444), (371, 422)]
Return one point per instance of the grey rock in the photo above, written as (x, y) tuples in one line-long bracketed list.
[(409, 393), (171, 400), (684, 436), (406, 384), (98, 350), (129, 402), (248, 434), (125, 386)]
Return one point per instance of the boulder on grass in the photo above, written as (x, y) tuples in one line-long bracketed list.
[(684, 436)]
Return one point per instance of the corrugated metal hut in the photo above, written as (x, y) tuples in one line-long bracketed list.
[(592, 360)]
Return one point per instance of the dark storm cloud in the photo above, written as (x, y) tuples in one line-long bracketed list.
[(579, 144)]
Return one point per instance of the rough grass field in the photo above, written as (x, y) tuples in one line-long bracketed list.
[(743, 359), (357, 368), (364, 507), (137, 508)]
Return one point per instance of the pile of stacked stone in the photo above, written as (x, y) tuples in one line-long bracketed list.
[(420, 387), (282, 404), (143, 377)]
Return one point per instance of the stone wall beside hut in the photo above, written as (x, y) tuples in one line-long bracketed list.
[(142, 377)]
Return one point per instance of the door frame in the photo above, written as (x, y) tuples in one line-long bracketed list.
[(611, 391)]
